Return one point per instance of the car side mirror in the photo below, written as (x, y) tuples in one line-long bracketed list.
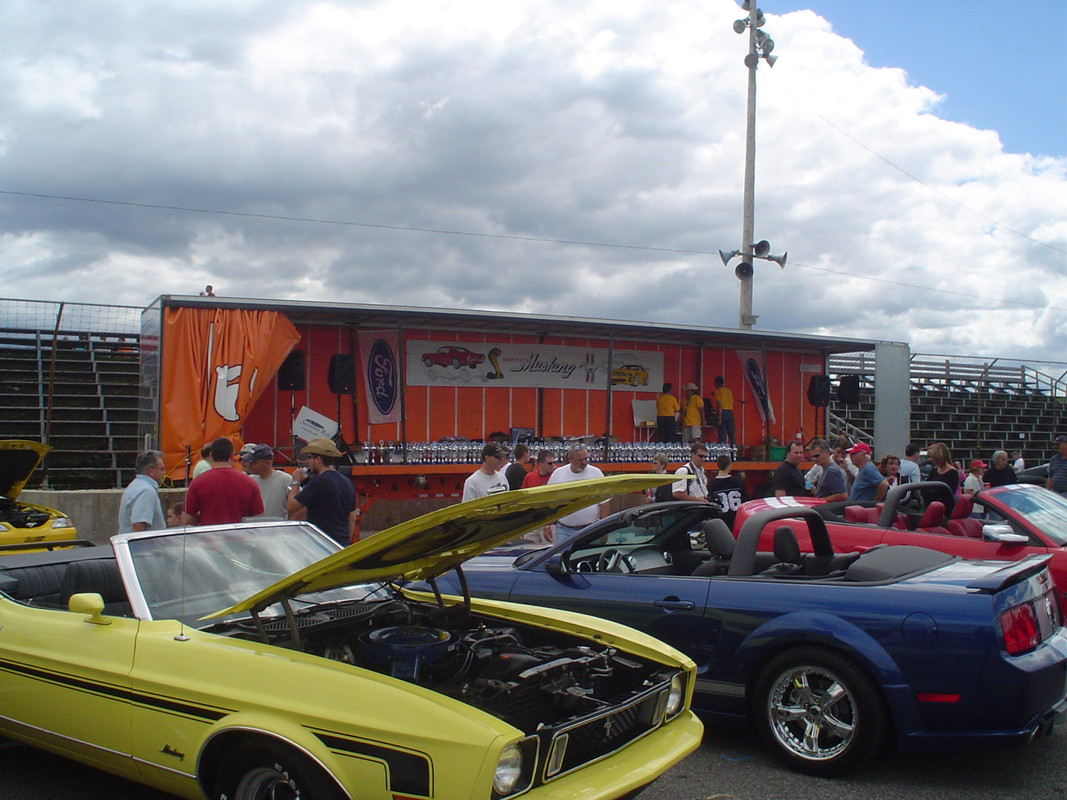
[(89, 603), (1003, 534), (555, 565)]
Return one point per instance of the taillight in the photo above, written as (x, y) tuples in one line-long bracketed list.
[(1021, 632)]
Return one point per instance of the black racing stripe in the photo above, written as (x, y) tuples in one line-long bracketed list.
[(408, 772), (117, 692)]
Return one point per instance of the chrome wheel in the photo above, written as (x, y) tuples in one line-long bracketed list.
[(820, 711), (812, 714)]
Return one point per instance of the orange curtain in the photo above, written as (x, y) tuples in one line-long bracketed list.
[(216, 364)]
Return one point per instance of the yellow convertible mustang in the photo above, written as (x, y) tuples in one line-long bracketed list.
[(259, 661)]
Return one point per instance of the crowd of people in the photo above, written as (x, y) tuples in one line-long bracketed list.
[(219, 494), (848, 471)]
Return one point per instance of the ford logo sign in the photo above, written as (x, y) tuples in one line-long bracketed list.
[(382, 376)]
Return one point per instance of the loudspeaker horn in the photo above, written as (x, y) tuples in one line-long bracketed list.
[(761, 248), (743, 270), (779, 260), (726, 255)]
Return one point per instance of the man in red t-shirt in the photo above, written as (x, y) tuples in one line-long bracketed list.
[(539, 475), (222, 494)]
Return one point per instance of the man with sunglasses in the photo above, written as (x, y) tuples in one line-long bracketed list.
[(695, 485), (539, 475)]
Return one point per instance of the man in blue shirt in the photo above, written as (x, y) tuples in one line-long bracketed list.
[(140, 509), (1057, 467), (865, 486)]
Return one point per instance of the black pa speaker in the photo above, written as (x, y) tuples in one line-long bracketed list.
[(342, 374), (848, 390), (291, 372), (819, 390)]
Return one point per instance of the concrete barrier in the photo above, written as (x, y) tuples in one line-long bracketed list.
[(95, 512)]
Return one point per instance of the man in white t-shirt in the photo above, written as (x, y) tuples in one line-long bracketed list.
[(578, 469), (273, 484), (909, 465), (695, 485), (488, 478)]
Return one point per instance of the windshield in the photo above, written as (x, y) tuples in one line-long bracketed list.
[(1044, 510), (186, 576)]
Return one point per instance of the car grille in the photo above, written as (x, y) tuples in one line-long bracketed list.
[(579, 742)]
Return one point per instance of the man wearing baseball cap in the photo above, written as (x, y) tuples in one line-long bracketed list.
[(273, 484), (326, 498), (1057, 467), (865, 486)]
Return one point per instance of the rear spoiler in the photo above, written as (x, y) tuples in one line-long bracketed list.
[(1013, 573)]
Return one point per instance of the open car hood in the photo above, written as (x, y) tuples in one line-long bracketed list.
[(18, 459), (434, 543)]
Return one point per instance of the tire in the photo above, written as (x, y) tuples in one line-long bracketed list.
[(809, 731), (270, 771), (426, 362)]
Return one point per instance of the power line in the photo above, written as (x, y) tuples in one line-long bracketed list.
[(474, 234)]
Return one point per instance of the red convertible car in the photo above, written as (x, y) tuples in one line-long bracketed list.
[(1019, 520), (453, 356)]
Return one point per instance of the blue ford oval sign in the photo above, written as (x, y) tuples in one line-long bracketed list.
[(382, 376)]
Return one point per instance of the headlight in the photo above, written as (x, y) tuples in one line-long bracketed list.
[(61, 522), (508, 770), (676, 696)]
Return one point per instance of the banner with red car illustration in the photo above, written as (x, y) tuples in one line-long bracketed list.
[(505, 364)]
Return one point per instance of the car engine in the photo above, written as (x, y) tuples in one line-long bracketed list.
[(526, 676), (19, 516)]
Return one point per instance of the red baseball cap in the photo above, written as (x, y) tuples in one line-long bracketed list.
[(859, 447)]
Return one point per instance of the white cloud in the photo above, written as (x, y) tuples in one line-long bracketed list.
[(604, 122)]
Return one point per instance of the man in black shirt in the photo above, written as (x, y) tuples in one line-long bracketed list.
[(727, 490), (326, 496), (788, 480), (1001, 473)]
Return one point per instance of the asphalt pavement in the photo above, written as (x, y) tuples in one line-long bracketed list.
[(730, 765)]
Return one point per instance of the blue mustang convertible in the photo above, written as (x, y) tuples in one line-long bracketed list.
[(828, 655)]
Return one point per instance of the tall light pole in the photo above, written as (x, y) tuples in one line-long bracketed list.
[(760, 46)]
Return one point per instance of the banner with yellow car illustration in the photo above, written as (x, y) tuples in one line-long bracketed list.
[(504, 364), (216, 364)]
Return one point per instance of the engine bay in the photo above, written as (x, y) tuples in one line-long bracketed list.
[(527, 676)]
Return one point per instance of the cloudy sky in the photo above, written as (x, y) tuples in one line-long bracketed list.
[(547, 156)]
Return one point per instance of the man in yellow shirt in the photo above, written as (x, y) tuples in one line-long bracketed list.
[(693, 415), (723, 399), (667, 409)]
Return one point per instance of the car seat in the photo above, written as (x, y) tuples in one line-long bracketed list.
[(932, 518), (960, 522), (100, 576), (720, 543), (786, 553), (856, 514)]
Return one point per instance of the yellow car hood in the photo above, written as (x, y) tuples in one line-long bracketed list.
[(18, 459), (434, 543)]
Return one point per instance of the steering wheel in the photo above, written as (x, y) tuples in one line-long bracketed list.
[(611, 560)]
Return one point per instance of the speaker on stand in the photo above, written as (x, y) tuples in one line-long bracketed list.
[(342, 380), (291, 379), (819, 396)]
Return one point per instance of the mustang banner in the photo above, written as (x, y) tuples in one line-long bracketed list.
[(217, 363), (505, 364), (381, 370)]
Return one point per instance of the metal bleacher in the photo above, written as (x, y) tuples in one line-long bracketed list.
[(974, 406)]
